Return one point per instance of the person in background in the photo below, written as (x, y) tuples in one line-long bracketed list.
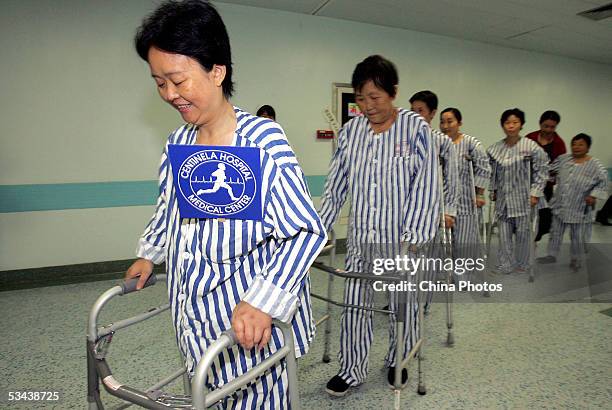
[(267, 111), (474, 175), (519, 173), (553, 145), (580, 181), (425, 103)]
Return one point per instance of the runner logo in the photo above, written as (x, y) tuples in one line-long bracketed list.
[(216, 182)]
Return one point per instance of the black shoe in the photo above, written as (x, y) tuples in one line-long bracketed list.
[(337, 387), (391, 376), (602, 219)]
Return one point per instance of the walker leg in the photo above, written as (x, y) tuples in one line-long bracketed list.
[(93, 384), (396, 405), (327, 336), (450, 340), (421, 386)]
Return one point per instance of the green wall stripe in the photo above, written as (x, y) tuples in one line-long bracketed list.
[(47, 197), (50, 197)]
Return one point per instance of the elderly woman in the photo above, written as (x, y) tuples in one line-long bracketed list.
[(226, 273), (519, 172), (474, 175), (580, 181)]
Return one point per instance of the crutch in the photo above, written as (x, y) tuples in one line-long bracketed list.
[(533, 219), (447, 239), (472, 186), (491, 221)]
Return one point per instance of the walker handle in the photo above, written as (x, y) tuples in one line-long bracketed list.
[(129, 286)]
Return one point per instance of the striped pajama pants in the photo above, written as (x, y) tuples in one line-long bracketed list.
[(514, 242), (579, 236), (356, 328), (466, 237)]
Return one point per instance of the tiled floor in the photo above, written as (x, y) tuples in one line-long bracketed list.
[(506, 355)]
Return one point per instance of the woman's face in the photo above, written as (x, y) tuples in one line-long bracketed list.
[(184, 84), (548, 128), (375, 103), (512, 126), (579, 147), (449, 124), (423, 110)]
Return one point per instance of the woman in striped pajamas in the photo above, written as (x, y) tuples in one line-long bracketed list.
[(425, 103), (226, 273), (519, 172), (386, 164), (474, 174), (580, 181)]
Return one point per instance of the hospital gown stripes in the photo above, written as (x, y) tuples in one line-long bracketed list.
[(392, 179), (518, 172), (448, 158), (574, 182), (213, 264), (474, 171)]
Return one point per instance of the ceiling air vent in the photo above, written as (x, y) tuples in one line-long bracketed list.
[(598, 13)]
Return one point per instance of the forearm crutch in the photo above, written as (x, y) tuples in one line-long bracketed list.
[(447, 247), (490, 222), (472, 185), (533, 221)]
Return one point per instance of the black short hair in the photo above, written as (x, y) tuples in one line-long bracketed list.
[(192, 28), (585, 137), (266, 109), (550, 115), (428, 97), (455, 112), (512, 111), (379, 70)]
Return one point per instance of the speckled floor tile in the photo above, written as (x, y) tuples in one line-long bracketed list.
[(506, 355)]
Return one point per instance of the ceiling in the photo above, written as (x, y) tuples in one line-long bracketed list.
[(549, 26)]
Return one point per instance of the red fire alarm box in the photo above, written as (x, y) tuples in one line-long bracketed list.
[(325, 134)]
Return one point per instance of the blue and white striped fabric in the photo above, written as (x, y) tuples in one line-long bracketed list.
[(392, 180), (474, 171), (574, 182), (513, 168), (471, 153), (213, 264), (448, 158)]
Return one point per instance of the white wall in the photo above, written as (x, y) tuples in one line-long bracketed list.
[(79, 105)]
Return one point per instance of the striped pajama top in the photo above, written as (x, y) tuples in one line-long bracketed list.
[(470, 152), (510, 167), (574, 182), (392, 180), (213, 264), (443, 145)]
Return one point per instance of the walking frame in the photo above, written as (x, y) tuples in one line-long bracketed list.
[(196, 395), (417, 350)]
